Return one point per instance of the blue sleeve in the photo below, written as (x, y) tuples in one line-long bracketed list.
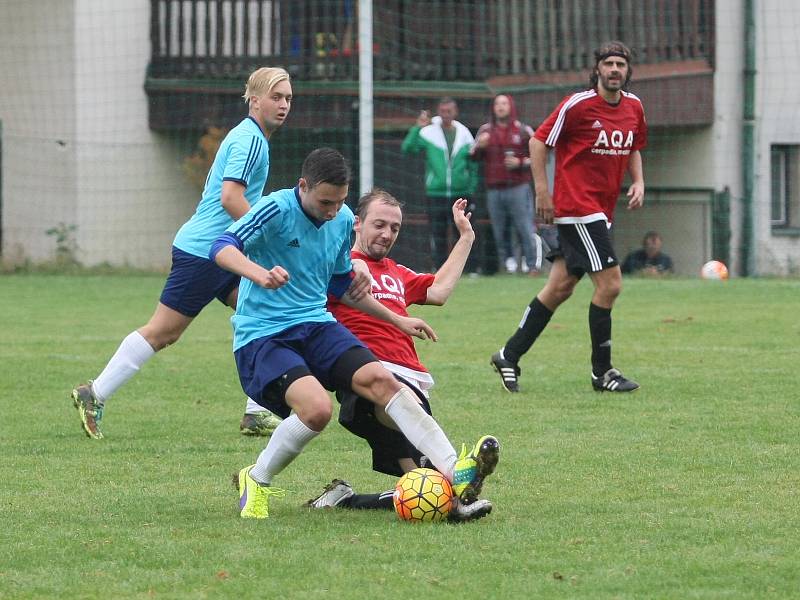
[(263, 217), (343, 263), (243, 154), (226, 239), (339, 284)]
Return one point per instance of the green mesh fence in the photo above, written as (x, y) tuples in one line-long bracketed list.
[(139, 94)]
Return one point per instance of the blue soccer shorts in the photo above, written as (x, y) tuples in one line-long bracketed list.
[(193, 282)]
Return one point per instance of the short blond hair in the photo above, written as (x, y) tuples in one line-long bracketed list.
[(263, 80)]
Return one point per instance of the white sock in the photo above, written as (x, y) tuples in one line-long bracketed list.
[(422, 431), (253, 407), (132, 353), (286, 442)]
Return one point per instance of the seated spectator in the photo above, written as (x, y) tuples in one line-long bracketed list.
[(649, 260)]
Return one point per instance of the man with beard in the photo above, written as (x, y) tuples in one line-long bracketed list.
[(597, 135)]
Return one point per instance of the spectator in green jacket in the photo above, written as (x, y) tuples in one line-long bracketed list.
[(449, 173)]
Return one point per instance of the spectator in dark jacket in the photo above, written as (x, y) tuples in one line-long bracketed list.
[(648, 260), (502, 146)]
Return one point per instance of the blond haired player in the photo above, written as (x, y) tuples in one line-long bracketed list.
[(236, 180)]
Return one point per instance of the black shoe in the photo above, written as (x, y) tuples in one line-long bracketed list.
[(613, 381), (509, 372)]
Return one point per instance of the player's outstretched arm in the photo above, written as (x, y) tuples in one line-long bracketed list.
[(636, 191), (231, 259), (408, 325), (449, 273)]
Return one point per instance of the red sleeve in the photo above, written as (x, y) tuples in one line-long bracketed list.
[(416, 285), (546, 127), (641, 138)]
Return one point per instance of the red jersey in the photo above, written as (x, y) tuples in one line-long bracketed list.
[(593, 141), (396, 287)]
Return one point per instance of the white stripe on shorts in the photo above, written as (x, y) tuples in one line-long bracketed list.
[(588, 244)]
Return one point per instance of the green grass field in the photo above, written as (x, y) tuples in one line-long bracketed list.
[(689, 488)]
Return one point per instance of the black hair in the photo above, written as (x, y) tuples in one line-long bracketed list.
[(376, 195), (651, 235), (612, 48), (325, 165)]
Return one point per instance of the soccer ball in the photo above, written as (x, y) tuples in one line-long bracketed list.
[(423, 495), (714, 269)]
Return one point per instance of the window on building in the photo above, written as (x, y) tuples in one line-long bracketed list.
[(785, 201)]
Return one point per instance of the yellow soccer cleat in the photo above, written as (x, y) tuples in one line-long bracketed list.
[(473, 467), (254, 497), (90, 410)]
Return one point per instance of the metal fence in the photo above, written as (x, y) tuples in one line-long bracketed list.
[(467, 40)]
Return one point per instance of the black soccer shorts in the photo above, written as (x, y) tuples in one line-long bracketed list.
[(586, 247)]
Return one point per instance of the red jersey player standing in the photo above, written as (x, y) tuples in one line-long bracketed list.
[(597, 135), (378, 221)]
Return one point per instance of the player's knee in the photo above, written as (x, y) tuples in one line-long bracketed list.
[(561, 292), (609, 290), (382, 387), (316, 414), (159, 339)]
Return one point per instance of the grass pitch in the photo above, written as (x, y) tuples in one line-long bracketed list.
[(686, 489)]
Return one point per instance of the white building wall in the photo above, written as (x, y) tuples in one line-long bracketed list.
[(727, 128), (778, 114), (77, 147), (132, 192), (37, 110)]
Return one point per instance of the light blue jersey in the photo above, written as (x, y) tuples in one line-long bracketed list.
[(243, 156), (276, 231)]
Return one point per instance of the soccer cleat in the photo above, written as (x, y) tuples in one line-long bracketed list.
[(89, 409), (336, 492), (613, 381), (472, 468), (254, 497), (259, 424), (509, 371), (461, 513)]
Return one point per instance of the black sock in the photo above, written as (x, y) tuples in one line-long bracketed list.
[(382, 501), (536, 318), (600, 331)]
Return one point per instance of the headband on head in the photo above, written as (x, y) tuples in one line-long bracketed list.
[(620, 53)]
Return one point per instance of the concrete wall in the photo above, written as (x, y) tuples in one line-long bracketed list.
[(727, 129), (37, 109), (77, 148), (778, 111)]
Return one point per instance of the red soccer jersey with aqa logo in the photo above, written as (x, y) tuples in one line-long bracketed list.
[(396, 287), (593, 141)]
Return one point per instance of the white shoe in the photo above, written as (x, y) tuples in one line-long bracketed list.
[(524, 265), (336, 492), (469, 512), (511, 265)]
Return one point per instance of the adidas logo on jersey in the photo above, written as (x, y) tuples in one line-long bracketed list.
[(295, 243), (597, 125)]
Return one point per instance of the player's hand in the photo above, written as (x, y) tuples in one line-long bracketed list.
[(635, 196), (274, 278), (483, 140), (416, 327), (361, 285), (544, 206), (462, 218), (423, 119)]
